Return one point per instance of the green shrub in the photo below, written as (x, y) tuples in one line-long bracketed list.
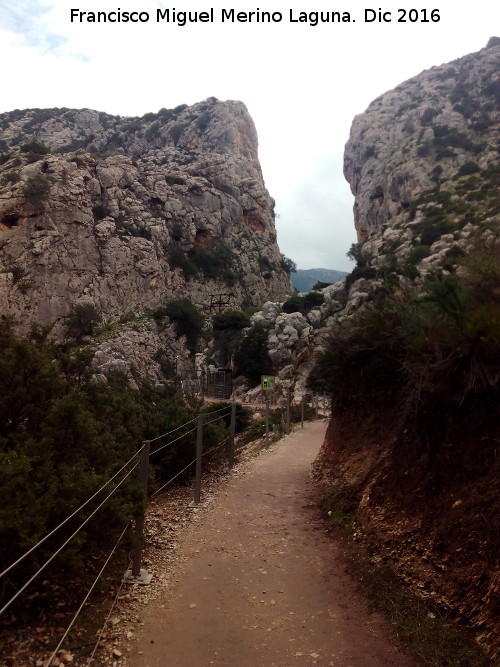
[(178, 258), (187, 319), (62, 436), (100, 212), (203, 121), (356, 254), (296, 304), (252, 357), (36, 148), (176, 132), (227, 327), (468, 168), (428, 115), (303, 304), (37, 188), (424, 150), (313, 299), (83, 320), (11, 177), (214, 261), (358, 272), (288, 264), (418, 253), (320, 285)]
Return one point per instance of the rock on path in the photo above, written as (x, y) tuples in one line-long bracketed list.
[(260, 583)]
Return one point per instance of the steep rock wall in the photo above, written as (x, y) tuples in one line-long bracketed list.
[(416, 138), (114, 213)]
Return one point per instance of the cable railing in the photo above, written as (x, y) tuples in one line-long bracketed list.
[(67, 541), (78, 611), (142, 458), (68, 518), (173, 441)]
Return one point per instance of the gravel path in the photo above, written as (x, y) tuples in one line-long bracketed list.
[(259, 583)]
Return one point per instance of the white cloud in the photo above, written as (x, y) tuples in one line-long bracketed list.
[(26, 19)]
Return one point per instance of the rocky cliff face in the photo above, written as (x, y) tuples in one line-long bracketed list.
[(419, 140), (125, 214), (422, 162)]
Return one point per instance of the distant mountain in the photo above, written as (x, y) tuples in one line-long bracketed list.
[(303, 280)]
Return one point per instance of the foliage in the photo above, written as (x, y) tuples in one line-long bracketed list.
[(37, 188), (83, 320), (313, 299), (176, 132), (34, 151), (252, 358), (213, 261), (303, 304), (358, 272), (187, 319), (62, 436), (428, 115), (203, 120), (227, 327), (100, 212), (428, 354), (468, 168), (288, 264), (320, 285), (418, 253), (355, 254), (243, 415)]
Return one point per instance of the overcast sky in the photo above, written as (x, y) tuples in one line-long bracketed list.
[(302, 84)]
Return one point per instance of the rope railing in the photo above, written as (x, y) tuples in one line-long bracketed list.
[(49, 560), (144, 452), (172, 479), (78, 611), (172, 441), (217, 418), (101, 633), (54, 530), (158, 437)]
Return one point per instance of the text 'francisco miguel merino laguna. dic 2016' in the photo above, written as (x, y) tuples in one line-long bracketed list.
[(312, 18)]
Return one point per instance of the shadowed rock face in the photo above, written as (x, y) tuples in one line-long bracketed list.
[(116, 210), (420, 135)]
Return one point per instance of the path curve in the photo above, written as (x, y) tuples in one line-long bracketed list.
[(259, 582)]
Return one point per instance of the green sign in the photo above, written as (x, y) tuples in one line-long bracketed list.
[(267, 382)]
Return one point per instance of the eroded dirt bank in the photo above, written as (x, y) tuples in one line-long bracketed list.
[(257, 581), (428, 514)]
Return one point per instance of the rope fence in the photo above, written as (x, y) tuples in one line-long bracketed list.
[(142, 458)]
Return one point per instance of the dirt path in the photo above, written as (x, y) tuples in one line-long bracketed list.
[(259, 583)]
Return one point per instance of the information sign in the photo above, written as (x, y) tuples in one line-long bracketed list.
[(267, 382)]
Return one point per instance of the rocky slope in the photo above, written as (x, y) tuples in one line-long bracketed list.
[(125, 214)]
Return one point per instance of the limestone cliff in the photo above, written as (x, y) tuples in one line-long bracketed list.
[(422, 162), (126, 214), (417, 140)]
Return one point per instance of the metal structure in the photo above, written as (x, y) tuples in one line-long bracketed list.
[(219, 302), (219, 383)]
